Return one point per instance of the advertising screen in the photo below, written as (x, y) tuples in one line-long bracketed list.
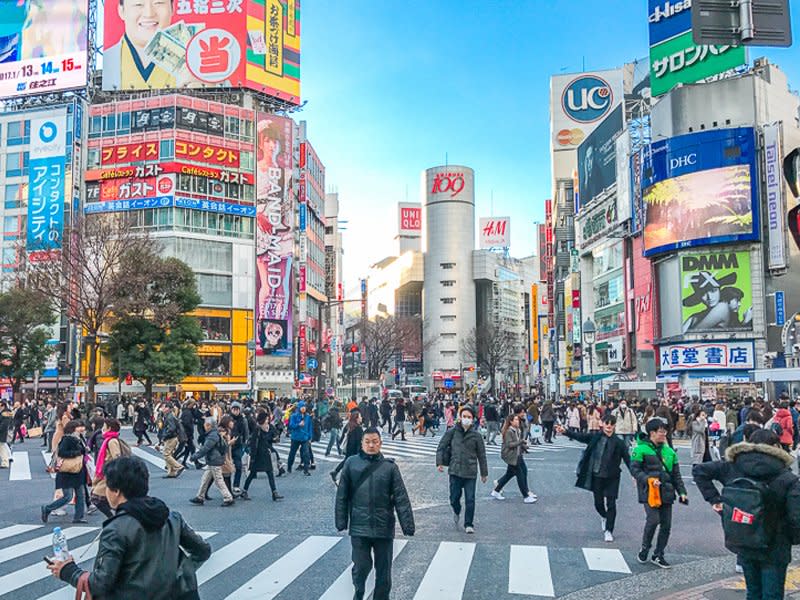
[(700, 189), (203, 43), (597, 158), (274, 236), (716, 293), (42, 46)]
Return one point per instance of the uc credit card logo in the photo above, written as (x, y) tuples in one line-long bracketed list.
[(587, 99)]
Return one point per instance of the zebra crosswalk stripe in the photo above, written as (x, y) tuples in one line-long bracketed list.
[(529, 571), (605, 559), (447, 573), (275, 578), (48, 456), (20, 468), (38, 543), (151, 458), (12, 530), (343, 586), (229, 555)]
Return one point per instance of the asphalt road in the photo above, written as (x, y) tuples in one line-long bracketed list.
[(290, 549)]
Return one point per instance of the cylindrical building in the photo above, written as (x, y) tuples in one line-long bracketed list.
[(448, 199)]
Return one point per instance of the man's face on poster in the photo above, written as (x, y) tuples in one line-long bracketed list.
[(143, 18)]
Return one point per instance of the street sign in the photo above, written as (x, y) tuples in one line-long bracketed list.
[(780, 308), (312, 363), (251, 345), (742, 22), (449, 383)]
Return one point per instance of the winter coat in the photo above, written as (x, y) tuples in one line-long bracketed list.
[(648, 460), (113, 452), (593, 421), (698, 429), (513, 446), (369, 511), (71, 446), (240, 431), (261, 450), (573, 418), (467, 452), (228, 466), (140, 556), (333, 420), (548, 414), (301, 427), (212, 450), (142, 419), (170, 428), (353, 445), (627, 424), (784, 418), (6, 419), (619, 454), (187, 422), (762, 463), (386, 408)]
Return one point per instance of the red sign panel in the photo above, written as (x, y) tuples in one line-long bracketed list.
[(130, 188), (207, 153), (169, 167), (129, 153)]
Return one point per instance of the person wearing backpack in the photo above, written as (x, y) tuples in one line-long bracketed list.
[(654, 466), (213, 450), (760, 509), (371, 491), (111, 449)]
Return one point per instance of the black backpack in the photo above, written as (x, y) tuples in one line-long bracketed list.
[(745, 504)]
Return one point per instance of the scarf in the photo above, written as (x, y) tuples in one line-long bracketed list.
[(101, 456)]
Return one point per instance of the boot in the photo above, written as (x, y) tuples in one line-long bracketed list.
[(276, 496), (244, 495)]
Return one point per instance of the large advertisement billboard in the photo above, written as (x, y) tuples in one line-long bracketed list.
[(47, 183), (274, 236), (776, 201), (579, 102), (597, 159), (494, 232), (674, 57), (700, 189), (409, 218), (161, 44), (716, 294), (42, 46)]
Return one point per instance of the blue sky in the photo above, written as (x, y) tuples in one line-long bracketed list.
[(395, 85)]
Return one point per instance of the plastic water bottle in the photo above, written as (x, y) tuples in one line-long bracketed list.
[(60, 549)]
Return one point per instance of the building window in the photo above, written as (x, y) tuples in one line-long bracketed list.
[(448, 283), (16, 164), (14, 194), (215, 290), (447, 265), (448, 352), (19, 133), (216, 329), (448, 318), (448, 300), (167, 149), (215, 365), (448, 335), (93, 158)]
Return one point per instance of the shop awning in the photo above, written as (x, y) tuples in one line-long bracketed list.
[(785, 374), (594, 377)]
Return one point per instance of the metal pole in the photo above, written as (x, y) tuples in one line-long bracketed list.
[(320, 383), (353, 364), (591, 372), (119, 372)]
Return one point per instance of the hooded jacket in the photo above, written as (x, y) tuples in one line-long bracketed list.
[(140, 556), (301, 427), (649, 460), (763, 463), (369, 509), (784, 418)]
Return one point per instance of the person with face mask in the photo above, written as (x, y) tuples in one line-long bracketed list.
[(599, 469), (627, 423), (462, 450)]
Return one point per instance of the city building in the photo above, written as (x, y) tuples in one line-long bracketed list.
[(334, 286)]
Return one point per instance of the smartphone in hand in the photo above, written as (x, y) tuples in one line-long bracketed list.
[(47, 559)]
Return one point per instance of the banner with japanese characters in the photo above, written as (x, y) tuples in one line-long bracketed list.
[(275, 217), (716, 355), (169, 44), (46, 183)]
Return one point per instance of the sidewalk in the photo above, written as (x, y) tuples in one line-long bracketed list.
[(732, 588)]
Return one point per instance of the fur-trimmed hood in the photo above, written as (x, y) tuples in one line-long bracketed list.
[(742, 448)]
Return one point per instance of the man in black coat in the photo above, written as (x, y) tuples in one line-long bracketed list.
[(370, 492), (261, 440), (760, 459), (599, 469)]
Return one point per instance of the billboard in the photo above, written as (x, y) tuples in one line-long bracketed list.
[(203, 43), (579, 102), (409, 218), (42, 46), (776, 202), (274, 236), (717, 355), (597, 159), (47, 182), (674, 57), (716, 294), (700, 189), (495, 232)]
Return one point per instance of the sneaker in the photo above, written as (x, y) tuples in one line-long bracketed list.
[(237, 492), (642, 556), (530, 498), (497, 495), (608, 536), (243, 495), (81, 520), (469, 529), (197, 500), (59, 512), (660, 561), (230, 502), (603, 523), (739, 569), (91, 509), (46, 514)]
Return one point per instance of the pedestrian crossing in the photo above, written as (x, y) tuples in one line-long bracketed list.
[(268, 566)]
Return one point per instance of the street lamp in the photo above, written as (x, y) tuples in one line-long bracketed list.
[(589, 331)]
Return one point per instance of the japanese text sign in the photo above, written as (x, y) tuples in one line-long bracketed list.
[(718, 355), (47, 180)]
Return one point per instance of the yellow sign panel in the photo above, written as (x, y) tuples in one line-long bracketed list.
[(273, 32), (534, 323)]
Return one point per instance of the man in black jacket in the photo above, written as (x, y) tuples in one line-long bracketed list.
[(142, 549), (599, 469), (242, 434), (760, 459), (370, 492)]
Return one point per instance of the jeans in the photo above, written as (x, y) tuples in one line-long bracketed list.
[(493, 429), (520, 471), (661, 518), (606, 506), (66, 499), (468, 485), (363, 550), (334, 439), (237, 452), (765, 581), (399, 427), (304, 459)]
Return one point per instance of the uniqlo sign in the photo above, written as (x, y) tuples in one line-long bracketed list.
[(410, 218)]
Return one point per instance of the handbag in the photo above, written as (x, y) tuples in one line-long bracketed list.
[(70, 465), (35, 432), (653, 492)]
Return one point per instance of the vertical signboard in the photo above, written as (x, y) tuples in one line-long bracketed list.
[(46, 183), (495, 232), (274, 236), (776, 203), (535, 325), (409, 218)]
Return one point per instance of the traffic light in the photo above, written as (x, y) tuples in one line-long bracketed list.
[(128, 379), (471, 369), (354, 349)]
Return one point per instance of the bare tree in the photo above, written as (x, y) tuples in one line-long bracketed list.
[(387, 337), (102, 263), (491, 348)]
